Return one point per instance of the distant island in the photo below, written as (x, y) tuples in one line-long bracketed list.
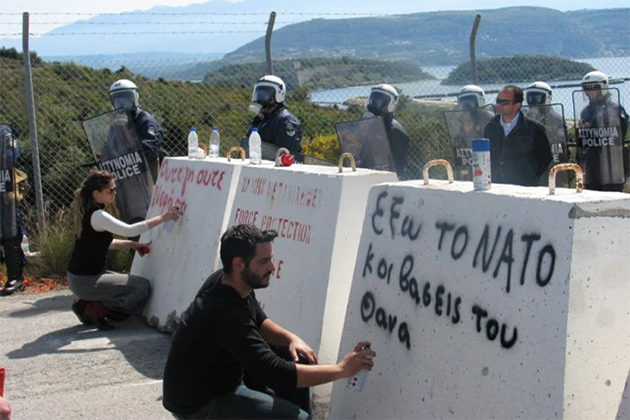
[(519, 69)]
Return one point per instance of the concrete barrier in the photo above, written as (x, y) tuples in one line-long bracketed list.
[(317, 212), (184, 253), (509, 303)]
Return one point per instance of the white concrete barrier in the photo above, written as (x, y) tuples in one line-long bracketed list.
[(509, 303), (317, 213), (184, 253)]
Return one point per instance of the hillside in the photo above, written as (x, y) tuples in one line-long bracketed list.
[(442, 38), (320, 73)]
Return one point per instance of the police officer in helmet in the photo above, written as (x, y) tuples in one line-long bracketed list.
[(382, 102), (124, 95), (472, 99), (538, 93), (275, 122), (538, 96), (602, 129)]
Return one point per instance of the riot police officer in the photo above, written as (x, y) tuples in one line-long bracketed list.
[(603, 124), (10, 218), (124, 95), (276, 124), (538, 96), (472, 99), (382, 102), (467, 124)]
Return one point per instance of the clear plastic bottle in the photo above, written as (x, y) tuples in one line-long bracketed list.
[(215, 142), (255, 152), (193, 143)]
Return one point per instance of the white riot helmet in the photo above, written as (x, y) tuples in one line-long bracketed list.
[(383, 99), (471, 97), (538, 93), (267, 88), (595, 80), (124, 95)]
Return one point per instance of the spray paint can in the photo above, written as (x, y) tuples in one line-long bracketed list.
[(357, 381), (481, 164)]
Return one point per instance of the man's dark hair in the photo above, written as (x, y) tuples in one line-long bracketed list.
[(240, 241), (518, 93)]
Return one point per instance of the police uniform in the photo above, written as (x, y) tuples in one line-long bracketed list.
[(150, 133), (282, 129), (398, 143)]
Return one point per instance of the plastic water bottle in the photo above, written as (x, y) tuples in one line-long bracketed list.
[(193, 143), (215, 141), (255, 152), (357, 381)]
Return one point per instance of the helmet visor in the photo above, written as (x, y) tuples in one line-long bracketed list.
[(124, 99), (263, 94), (468, 103), (593, 86), (378, 101), (535, 98)]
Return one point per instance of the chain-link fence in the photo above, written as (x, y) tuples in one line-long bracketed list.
[(322, 92)]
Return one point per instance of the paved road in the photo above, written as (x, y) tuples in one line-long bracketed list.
[(60, 369)]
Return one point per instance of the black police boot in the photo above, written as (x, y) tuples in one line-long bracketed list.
[(12, 286), (14, 260)]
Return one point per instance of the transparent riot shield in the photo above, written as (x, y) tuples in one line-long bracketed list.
[(599, 136), (117, 149), (8, 155), (367, 141), (552, 117), (463, 127)]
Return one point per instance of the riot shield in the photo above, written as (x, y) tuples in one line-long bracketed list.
[(463, 127), (599, 136), (367, 141), (8, 156), (552, 118), (117, 149)]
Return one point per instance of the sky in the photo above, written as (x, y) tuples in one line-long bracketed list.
[(116, 6), (404, 6), (47, 15)]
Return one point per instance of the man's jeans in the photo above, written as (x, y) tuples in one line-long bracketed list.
[(245, 403)]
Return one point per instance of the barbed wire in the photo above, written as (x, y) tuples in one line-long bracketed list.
[(134, 33), (147, 23), (200, 14)]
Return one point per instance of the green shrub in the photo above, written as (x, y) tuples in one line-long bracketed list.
[(52, 246)]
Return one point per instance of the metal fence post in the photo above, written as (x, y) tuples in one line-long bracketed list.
[(473, 60), (272, 20), (30, 99)]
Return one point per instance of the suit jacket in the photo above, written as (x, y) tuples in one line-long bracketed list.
[(521, 157)]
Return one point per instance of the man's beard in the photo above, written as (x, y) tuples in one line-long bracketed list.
[(254, 281)]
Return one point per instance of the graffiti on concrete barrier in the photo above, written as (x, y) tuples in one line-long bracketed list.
[(509, 254)]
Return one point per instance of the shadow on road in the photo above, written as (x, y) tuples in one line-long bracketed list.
[(41, 306), (145, 348)]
